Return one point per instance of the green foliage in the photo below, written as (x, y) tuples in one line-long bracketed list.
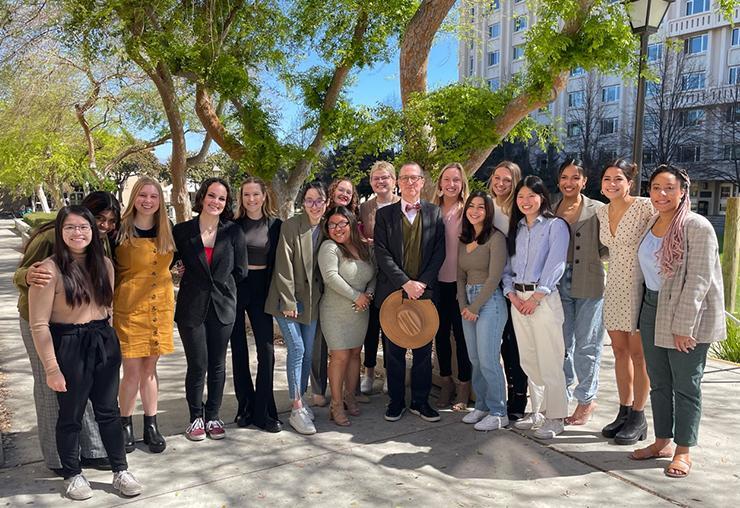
[(729, 349), (35, 219)]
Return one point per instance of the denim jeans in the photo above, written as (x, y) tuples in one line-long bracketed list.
[(583, 332), (299, 342), (483, 338)]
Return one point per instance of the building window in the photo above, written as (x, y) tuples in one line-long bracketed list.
[(495, 4), (471, 66), (608, 155), (494, 84), (574, 129), (655, 52), (520, 23), (576, 99), (693, 81), (692, 117), (493, 57), (609, 125), (610, 93), (578, 71), (735, 75), (652, 89), (695, 45), (733, 114), (648, 157), (494, 30), (518, 52), (732, 152), (736, 36), (696, 6), (689, 153)]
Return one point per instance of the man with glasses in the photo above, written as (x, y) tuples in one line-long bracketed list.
[(383, 183), (409, 243)]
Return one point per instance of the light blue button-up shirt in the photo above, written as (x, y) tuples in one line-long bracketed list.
[(541, 253)]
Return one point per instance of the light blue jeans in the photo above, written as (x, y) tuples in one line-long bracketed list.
[(483, 339), (299, 343), (583, 332)]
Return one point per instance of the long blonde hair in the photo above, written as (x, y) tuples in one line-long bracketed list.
[(516, 177), (268, 205), (464, 191), (164, 241)]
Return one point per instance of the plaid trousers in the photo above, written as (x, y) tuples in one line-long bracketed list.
[(47, 412)]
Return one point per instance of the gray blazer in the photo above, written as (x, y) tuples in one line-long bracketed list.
[(588, 277), (296, 278), (692, 302)]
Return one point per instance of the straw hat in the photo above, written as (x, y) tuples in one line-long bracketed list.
[(408, 323)]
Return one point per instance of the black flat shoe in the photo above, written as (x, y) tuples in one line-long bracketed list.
[(244, 420), (57, 471), (425, 412), (270, 425), (100, 463)]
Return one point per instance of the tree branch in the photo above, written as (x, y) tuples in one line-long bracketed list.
[(134, 149)]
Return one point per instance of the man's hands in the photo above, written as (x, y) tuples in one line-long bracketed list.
[(414, 289)]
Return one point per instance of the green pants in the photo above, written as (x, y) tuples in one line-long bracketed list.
[(675, 381)]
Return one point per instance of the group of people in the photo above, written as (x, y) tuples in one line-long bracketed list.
[(513, 275)]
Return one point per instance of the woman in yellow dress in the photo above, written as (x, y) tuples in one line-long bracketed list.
[(143, 305)]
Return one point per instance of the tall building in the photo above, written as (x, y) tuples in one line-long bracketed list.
[(692, 116)]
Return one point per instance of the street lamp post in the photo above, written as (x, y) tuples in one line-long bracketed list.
[(645, 18)]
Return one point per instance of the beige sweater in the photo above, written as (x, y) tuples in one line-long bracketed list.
[(482, 266), (48, 305)]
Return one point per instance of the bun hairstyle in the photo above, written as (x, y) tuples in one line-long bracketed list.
[(578, 163), (670, 253), (630, 170)]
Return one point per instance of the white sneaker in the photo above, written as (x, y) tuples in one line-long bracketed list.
[(532, 421), (385, 385), (492, 422), (78, 488), (366, 385), (308, 409), (550, 429), (474, 416), (125, 483), (301, 422)]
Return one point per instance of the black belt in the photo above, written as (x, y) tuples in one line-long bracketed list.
[(525, 287)]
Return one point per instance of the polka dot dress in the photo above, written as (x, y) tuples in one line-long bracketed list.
[(619, 302)]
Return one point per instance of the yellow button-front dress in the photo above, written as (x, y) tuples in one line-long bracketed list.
[(144, 299)]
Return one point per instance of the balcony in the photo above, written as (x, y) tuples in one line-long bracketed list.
[(727, 94), (699, 22)]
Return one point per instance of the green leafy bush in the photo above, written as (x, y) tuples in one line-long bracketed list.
[(35, 219), (729, 349)]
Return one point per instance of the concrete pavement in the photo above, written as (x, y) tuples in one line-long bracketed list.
[(373, 462)]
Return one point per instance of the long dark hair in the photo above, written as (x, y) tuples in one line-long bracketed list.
[(468, 231), (89, 282), (354, 233), (536, 185), (228, 211)]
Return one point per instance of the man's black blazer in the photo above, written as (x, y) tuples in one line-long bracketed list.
[(388, 242), (202, 284)]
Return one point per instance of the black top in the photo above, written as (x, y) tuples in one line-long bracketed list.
[(258, 240), (145, 233)]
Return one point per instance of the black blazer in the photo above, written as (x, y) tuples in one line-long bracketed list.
[(202, 284), (273, 235), (388, 244)]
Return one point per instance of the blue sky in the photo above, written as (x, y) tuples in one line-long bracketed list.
[(379, 84)]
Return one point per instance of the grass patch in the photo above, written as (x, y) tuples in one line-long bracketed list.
[(35, 219), (728, 349)]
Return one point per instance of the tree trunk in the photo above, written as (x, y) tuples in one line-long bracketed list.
[(38, 189)]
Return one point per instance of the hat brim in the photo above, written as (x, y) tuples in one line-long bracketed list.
[(409, 324)]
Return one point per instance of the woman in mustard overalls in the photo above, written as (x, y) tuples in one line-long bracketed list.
[(143, 305)]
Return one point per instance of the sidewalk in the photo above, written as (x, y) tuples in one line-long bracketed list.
[(373, 462)]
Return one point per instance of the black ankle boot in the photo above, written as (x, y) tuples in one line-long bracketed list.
[(152, 437), (128, 434), (611, 429), (634, 430)]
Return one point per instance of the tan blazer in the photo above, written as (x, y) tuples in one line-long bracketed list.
[(692, 302), (368, 209), (589, 277), (296, 278)]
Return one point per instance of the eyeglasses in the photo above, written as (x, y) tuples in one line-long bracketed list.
[(313, 203), (380, 178), (337, 225), (84, 228), (412, 179)]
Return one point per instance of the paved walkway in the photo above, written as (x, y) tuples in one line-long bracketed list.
[(372, 463)]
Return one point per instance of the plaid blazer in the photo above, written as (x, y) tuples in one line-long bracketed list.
[(690, 303)]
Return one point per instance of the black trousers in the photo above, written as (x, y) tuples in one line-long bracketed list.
[(89, 357), (319, 363), (205, 350), (449, 317), (372, 339), (516, 379), (421, 374), (259, 403)]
